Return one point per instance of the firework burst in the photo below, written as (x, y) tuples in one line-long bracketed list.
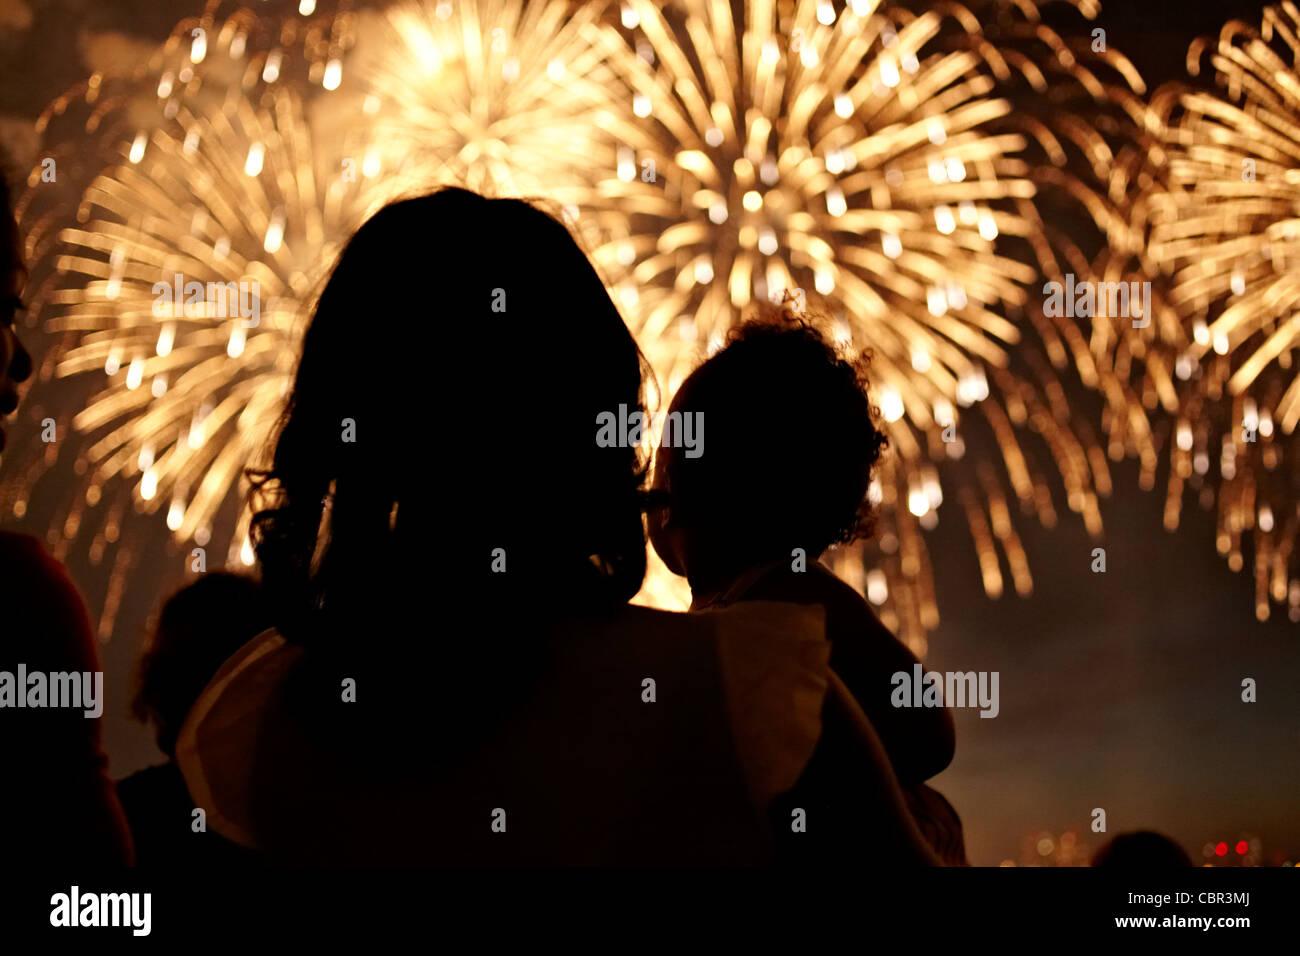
[(1093, 155), (198, 173), (1225, 233), (866, 164), (192, 385), (494, 96), (213, 61)]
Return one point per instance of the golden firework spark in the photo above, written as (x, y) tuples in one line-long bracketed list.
[(1097, 161), (1092, 156), (1225, 231), (195, 379), (867, 160), (216, 59), (495, 96), (861, 161), (206, 178)]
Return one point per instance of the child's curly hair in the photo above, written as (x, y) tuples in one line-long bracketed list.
[(791, 439)]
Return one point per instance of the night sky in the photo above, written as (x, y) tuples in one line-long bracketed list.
[(1123, 690), (1119, 690)]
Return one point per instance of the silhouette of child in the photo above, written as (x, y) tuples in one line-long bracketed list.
[(782, 474), (200, 626)]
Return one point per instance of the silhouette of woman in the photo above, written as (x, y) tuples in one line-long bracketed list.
[(455, 676)]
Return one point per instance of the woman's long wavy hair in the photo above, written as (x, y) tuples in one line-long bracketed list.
[(435, 478)]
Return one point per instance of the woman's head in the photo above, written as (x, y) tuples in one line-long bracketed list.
[(441, 428)]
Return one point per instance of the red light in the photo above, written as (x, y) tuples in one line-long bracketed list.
[(1242, 847), (1221, 850)]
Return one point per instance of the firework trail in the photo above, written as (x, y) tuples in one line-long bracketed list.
[(1223, 233), (196, 173), (497, 96), (873, 165)]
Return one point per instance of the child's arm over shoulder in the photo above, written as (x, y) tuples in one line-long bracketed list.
[(865, 654)]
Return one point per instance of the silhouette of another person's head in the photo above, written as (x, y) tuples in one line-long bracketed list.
[(1141, 850), (790, 443), (63, 807), (15, 363), (200, 626)]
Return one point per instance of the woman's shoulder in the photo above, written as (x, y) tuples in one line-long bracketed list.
[(775, 661), (749, 679), (215, 746), (792, 622), (771, 661), (748, 631)]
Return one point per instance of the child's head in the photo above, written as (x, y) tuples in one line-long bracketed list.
[(200, 626), (792, 440)]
